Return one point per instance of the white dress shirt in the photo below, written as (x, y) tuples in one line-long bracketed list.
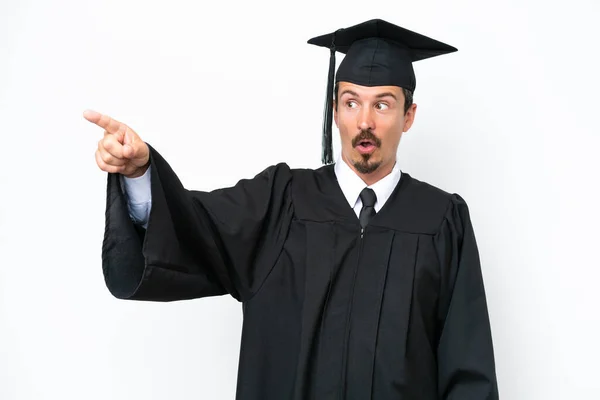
[(351, 185), (139, 196)]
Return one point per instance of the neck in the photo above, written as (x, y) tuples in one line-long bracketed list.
[(375, 176)]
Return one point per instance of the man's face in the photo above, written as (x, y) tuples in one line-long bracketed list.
[(371, 121)]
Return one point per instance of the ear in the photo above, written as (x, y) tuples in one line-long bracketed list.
[(335, 114), (409, 118)]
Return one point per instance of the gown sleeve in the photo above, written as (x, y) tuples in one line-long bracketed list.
[(196, 244), (466, 366)]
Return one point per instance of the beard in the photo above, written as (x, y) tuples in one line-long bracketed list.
[(364, 165)]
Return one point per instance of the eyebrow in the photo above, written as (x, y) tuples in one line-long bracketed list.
[(350, 92), (385, 94), (380, 95)]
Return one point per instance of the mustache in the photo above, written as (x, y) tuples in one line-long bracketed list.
[(366, 135)]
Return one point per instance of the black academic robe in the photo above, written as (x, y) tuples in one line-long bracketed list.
[(395, 312)]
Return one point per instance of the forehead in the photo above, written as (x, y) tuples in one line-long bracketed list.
[(368, 91)]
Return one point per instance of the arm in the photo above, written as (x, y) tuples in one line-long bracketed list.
[(193, 244), (196, 244), (466, 366)]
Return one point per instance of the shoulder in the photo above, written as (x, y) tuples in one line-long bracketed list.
[(432, 195), (279, 173), (423, 207), (282, 172)]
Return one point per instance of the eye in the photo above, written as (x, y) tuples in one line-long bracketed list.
[(381, 106), (351, 104)]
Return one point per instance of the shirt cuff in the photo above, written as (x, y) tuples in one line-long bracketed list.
[(138, 189)]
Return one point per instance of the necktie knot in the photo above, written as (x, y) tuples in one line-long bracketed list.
[(368, 197)]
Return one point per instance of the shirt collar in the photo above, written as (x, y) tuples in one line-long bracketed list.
[(351, 184)]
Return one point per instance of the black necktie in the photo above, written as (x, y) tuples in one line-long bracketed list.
[(368, 198)]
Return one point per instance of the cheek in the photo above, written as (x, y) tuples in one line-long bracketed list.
[(392, 132), (344, 124)]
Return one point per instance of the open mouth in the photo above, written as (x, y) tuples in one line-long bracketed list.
[(365, 146), (366, 143)]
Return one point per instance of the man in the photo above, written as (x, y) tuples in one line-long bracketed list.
[(357, 280)]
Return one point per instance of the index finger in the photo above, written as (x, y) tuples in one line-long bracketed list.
[(104, 121)]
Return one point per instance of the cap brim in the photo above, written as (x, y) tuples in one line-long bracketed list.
[(420, 47)]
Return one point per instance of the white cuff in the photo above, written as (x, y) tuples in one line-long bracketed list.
[(138, 189)]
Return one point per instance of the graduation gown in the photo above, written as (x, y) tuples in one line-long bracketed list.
[(395, 312)]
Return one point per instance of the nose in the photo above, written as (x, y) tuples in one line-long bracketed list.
[(365, 119)]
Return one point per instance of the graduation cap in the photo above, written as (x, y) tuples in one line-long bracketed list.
[(378, 53)]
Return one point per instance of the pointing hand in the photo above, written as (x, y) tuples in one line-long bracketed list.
[(121, 150)]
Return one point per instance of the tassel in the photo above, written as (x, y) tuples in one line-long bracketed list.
[(327, 152)]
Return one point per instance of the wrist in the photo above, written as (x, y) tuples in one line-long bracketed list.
[(139, 171)]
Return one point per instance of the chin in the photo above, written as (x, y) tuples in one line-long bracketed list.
[(366, 164)]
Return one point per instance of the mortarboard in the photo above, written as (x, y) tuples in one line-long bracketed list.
[(378, 53)]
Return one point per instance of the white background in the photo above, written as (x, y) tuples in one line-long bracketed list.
[(224, 90)]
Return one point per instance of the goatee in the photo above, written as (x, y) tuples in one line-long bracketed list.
[(364, 167)]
